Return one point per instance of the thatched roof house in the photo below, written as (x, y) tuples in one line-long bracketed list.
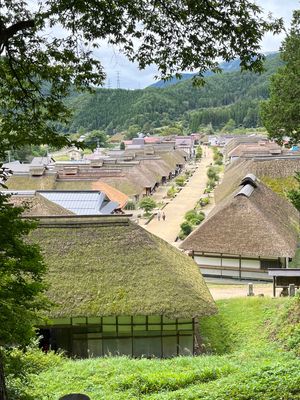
[(252, 222), (109, 269), (275, 169)]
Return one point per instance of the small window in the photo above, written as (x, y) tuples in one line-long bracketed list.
[(266, 264)]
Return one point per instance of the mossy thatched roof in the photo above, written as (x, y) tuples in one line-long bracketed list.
[(262, 224), (37, 205), (274, 168), (101, 266), (26, 182)]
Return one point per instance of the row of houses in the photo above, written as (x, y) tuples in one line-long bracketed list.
[(135, 173)]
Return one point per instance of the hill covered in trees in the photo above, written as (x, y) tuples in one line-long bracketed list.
[(230, 98)]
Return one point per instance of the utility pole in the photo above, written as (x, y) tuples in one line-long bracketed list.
[(118, 80)]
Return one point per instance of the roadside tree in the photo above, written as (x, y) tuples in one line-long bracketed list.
[(147, 204), (281, 113)]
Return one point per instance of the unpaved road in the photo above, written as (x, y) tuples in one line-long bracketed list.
[(228, 291)]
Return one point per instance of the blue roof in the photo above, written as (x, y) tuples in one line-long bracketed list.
[(82, 203)]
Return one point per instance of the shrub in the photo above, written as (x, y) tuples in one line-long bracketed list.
[(180, 180), (204, 201), (212, 173), (131, 205), (186, 228), (199, 153), (147, 204), (172, 192), (190, 215), (210, 185)]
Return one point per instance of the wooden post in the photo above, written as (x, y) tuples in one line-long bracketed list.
[(240, 268), (274, 286), (250, 290), (198, 339), (292, 290)]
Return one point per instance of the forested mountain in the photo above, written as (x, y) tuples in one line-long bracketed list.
[(225, 97), (229, 66)]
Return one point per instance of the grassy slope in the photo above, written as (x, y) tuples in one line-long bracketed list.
[(247, 365)]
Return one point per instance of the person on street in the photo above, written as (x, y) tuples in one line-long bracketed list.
[(158, 216)]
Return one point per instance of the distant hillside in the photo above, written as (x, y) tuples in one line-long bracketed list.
[(228, 96), (230, 66)]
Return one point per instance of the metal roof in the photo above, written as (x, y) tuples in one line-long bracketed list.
[(82, 203)]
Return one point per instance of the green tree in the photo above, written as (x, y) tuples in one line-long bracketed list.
[(37, 71), (229, 126), (147, 204), (212, 174), (281, 113), (21, 285), (96, 139), (294, 194), (122, 146)]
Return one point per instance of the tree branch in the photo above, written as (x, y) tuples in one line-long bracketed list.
[(6, 34)]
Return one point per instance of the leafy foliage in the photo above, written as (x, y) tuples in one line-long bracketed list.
[(21, 272), (180, 180), (37, 71), (281, 113), (199, 153), (147, 204), (172, 191), (96, 139), (294, 194)]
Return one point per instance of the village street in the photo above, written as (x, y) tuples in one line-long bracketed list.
[(183, 202)]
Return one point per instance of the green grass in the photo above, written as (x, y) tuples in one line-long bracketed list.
[(247, 359)]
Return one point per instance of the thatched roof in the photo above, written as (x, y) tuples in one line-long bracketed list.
[(237, 140), (37, 205), (273, 168), (252, 149), (262, 224), (111, 266), (22, 182)]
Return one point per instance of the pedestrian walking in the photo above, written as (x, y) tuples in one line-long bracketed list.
[(158, 216), (163, 216)]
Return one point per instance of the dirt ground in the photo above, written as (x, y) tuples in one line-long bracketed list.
[(220, 291)]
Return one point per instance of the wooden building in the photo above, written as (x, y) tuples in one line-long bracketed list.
[(248, 232), (118, 289)]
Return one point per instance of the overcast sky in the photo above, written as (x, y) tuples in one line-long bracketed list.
[(130, 77)]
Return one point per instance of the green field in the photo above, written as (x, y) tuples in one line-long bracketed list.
[(251, 354)]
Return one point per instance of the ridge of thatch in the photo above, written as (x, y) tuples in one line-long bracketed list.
[(38, 205), (261, 225), (101, 266)]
